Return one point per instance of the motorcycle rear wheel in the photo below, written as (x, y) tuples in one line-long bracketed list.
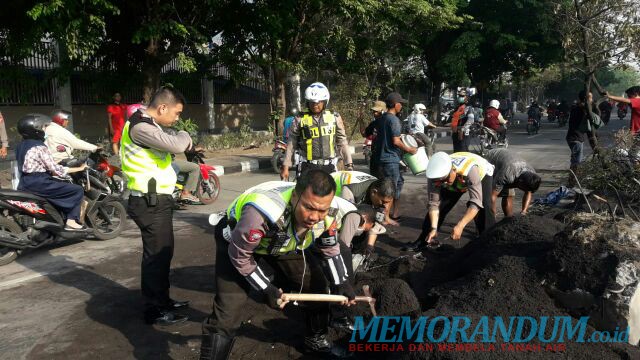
[(277, 159), (208, 190), (108, 220), (8, 255)]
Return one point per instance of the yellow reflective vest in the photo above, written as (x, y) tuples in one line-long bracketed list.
[(318, 138)]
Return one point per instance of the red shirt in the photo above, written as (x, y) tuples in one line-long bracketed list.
[(635, 115), (118, 112), (491, 118)]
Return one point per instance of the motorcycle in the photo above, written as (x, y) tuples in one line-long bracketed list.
[(366, 148), (208, 187), (552, 115), (622, 113), (532, 126), (111, 175), (563, 118), (31, 222), (277, 159)]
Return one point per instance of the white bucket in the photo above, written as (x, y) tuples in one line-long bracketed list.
[(417, 162)]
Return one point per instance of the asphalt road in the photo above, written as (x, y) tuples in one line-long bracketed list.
[(81, 300)]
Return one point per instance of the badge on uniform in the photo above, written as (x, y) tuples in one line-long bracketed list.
[(255, 236)]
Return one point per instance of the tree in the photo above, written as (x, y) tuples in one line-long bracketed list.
[(597, 34)]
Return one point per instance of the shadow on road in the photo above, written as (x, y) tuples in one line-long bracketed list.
[(115, 306)]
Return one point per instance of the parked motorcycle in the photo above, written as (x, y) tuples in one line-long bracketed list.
[(366, 148), (277, 159), (208, 187), (533, 126), (30, 221)]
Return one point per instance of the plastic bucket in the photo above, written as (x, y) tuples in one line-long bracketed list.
[(417, 162)]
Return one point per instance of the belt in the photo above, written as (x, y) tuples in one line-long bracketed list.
[(322, 161), (137, 193)]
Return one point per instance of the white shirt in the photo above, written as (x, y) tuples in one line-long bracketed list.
[(418, 123), (57, 135)]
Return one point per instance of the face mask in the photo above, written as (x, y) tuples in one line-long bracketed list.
[(461, 100)]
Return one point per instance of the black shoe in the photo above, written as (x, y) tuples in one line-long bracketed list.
[(164, 318), (319, 344), (342, 323), (178, 304), (415, 246), (215, 347)]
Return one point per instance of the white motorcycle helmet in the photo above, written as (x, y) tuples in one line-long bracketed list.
[(494, 104), (439, 165), (419, 108), (317, 92)]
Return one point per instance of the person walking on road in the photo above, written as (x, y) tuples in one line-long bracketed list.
[(146, 160), (295, 229), (318, 136), (511, 172), (450, 176), (388, 147)]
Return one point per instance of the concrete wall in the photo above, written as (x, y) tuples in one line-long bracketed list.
[(90, 121)]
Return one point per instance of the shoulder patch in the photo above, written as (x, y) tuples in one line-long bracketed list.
[(332, 212), (255, 236)]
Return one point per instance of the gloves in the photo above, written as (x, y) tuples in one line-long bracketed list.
[(344, 289), (272, 295)]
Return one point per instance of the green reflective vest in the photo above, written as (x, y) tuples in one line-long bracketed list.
[(272, 200), (318, 138), (140, 165), (343, 178)]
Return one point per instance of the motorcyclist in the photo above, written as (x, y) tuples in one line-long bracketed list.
[(191, 171), (493, 120), (319, 135), (418, 123), (62, 142), (551, 109), (461, 120), (535, 112), (37, 169)]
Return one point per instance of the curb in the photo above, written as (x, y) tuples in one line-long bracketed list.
[(243, 167)]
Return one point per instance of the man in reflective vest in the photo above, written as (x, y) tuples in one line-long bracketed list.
[(145, 151), (450, 176), (318, 136), (295, 229)]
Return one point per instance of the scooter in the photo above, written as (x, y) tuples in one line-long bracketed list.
[(29, 221), (562, 118), (208, 187), (111, 175), (552, 115)]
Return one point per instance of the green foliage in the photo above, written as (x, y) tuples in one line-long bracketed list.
[(244, 137), (187, 125)]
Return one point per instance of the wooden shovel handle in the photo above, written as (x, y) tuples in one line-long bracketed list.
[(323, 297)]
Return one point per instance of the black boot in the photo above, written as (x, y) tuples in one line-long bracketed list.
[(215, 347)]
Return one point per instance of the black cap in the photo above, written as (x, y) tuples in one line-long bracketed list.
[(394, 98)]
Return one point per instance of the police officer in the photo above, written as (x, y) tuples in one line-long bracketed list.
[(295, 229), (317, 135), (146, 160), (450, 176)]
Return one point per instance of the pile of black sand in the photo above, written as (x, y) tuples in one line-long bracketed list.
[(501, 274)]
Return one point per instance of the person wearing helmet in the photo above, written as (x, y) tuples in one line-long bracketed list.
[(449, 177), (418, 123), (3, 138), (318, 136), (37, 168), (60, 141), (493, 120), (461, 121)]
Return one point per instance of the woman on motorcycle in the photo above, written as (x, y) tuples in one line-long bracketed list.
[(37, 169)]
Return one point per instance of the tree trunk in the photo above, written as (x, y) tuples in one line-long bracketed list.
[(280, 96), (151, 71), (434, 103), (293, 92)]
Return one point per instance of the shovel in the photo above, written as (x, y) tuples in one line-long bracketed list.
[(331, 298)]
